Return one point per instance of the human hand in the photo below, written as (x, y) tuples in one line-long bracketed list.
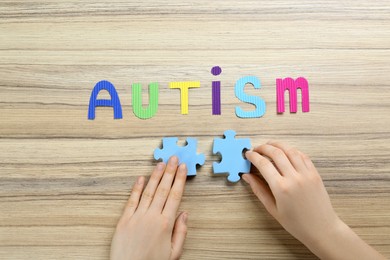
[(149, 228), (292, 191)]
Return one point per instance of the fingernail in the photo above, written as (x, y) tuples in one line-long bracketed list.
[(185, 217), (244, 178), (173, 160), (183, 167), (140, 180), (160, 165)]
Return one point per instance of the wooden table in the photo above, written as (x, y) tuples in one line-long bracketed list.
[(64, 179)]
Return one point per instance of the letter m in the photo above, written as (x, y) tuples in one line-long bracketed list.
[(292, 86)]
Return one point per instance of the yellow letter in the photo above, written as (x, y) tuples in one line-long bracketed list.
[(184, 86)]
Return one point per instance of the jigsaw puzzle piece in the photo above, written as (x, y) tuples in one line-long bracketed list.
[(189, 156), (186, 154), (169, 149), (231, 150)]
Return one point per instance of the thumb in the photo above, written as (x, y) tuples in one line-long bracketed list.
[(179, 235), (262, 192)]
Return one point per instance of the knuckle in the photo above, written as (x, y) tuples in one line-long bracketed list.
[(260, 148), (263, 162), (292, 152), (155, 177), (276, 143), (166, 224), (136, 191), (305, 156), (163, 192), (171, 169), (284, 188), (176, 195), (277, 153), (147, 195), (315, 177), (132, 203)]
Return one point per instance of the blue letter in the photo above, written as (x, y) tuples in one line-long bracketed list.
[(113, 102), (257, 101)]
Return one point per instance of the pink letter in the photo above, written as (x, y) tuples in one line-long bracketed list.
[(289, 84)]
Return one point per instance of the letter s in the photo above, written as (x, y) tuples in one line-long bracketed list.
[(256, 101)]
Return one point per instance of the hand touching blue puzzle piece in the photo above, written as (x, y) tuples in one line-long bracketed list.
[(231, 150), (186, 154)]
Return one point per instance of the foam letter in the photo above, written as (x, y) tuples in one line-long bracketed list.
[(113, 102), (138, 110), (292, 86), (184, 86), (216, 91), (257, 101)]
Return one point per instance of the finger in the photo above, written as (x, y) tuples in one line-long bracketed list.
[(308, 162), (261, 191), (179, 235), (135, 196), (278, 157), (148, 194), (165, 185), (176, 193), (293, 155), (265, 167)]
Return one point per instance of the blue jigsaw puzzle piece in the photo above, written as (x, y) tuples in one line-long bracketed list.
[(231, 150), (186, 154)]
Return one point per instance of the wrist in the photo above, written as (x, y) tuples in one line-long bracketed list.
[(339, 241), (328, 239)]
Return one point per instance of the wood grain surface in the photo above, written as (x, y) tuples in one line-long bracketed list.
[(64, 179)]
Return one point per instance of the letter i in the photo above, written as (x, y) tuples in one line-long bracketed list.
[(216, 91)]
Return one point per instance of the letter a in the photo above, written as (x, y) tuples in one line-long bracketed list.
[(113, 102)]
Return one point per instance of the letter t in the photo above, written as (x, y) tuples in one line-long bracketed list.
[(184, 86)]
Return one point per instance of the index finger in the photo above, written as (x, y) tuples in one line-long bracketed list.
[(265, 167), (165, 185), (176, 193)]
